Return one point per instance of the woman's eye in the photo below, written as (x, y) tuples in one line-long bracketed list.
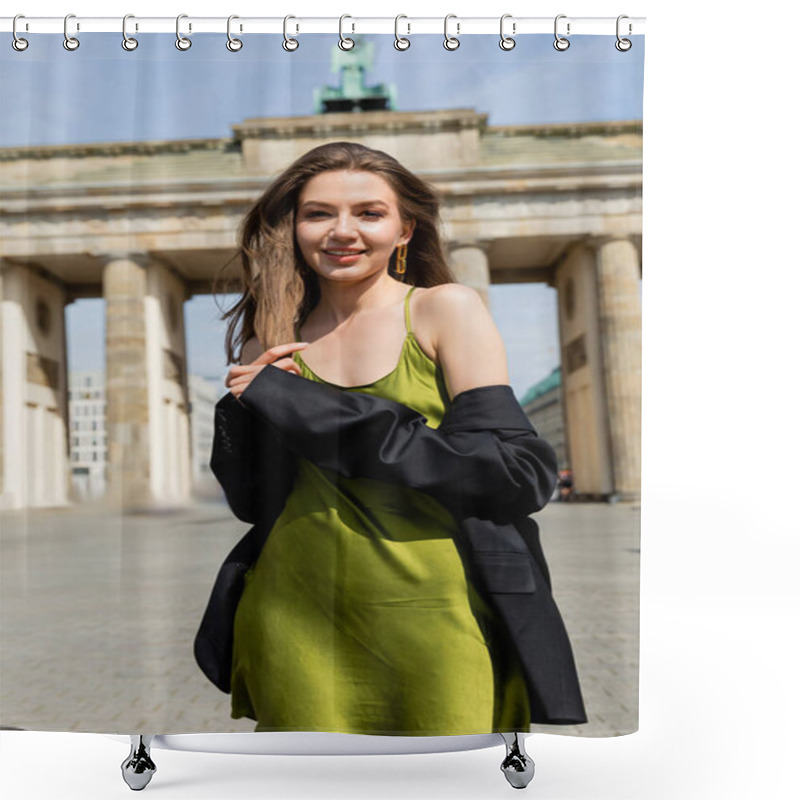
[(312, 214)]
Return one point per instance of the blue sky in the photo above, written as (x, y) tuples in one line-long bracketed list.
[(101, 93)]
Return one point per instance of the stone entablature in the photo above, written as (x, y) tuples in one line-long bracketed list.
[(250, 129), (112, 150), (453, 141), (417, 139), (366, 123)]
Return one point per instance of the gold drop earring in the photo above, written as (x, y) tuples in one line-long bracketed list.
[(402, 251)]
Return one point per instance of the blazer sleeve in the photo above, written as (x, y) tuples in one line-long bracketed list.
[(234, 457), (485, 459)]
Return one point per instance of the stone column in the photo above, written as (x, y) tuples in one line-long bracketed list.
[(127, 406), (620, 312), (470, 264), (34, 388)]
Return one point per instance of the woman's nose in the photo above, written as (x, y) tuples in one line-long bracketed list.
[(343, 227)]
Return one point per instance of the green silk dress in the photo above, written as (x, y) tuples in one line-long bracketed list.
[(358, 616)]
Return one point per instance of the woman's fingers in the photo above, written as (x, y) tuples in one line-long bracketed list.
[(287, 365), (269, 356), (239, 380)]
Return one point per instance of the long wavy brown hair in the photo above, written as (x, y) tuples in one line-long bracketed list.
[(278, 288)]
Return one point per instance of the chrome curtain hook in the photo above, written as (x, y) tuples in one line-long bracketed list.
[(234, 45), (399, 42), (182, 43), (128, 42), (70, 42), (560, 44), (344, 42), (451, 42), (18, 43), (289, 44), (623, 45), (506, 42)]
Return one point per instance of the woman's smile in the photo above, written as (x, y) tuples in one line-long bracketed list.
[(343, 256)]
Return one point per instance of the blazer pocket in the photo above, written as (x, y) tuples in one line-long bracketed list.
[(505, 573)]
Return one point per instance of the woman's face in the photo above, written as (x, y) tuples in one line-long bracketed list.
[(354, 211)]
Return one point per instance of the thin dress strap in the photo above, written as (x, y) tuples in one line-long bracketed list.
[(408, 316)]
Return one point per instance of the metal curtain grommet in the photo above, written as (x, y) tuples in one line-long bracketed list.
[(289, 44), (451, 42), (128, 42), (234, 45), (623, 45), (506, 42), (182, 43), (18, 43), (399, 42), (560, 44), (70, 42), (344, 42)]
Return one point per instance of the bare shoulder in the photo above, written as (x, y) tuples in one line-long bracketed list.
[(449, 293), (464, 337), (447, 304), (452, 295)]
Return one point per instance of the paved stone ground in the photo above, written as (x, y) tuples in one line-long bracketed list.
[(98, 614), (593, 553)]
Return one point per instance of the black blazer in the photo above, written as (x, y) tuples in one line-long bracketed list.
[(485, 463)]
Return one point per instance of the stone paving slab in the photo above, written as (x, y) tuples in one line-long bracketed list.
[(98, 614)]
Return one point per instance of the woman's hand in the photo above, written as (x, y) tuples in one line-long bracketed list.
[(239, 376)]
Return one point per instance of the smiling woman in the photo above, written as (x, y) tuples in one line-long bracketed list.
[(384, 630)]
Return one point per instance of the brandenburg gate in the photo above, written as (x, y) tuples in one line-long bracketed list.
[(146, 225)]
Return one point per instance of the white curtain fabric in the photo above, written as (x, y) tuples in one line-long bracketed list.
[(125, 177)]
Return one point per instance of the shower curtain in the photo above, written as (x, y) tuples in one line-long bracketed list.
[(126, 173)]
